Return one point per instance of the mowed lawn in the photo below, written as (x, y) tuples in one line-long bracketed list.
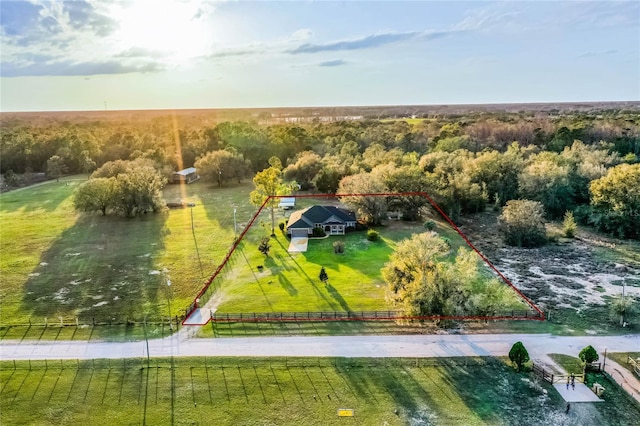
[(57, 263), (258, 391), (289, 282)]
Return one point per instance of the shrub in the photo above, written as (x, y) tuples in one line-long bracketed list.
[(522, 223), (621, 307), (338, 247), (497, 203), (372, 235), (281, 226), (518, 355), (569, 225), (588, 355), (318, 232), (447, 241), (430, 225), (10, 179), (350, 229), (264, 246)]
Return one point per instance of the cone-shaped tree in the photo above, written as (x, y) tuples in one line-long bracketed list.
[(323, 275), (518, 355)]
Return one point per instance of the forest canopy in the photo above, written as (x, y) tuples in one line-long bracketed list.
[(562, 160)]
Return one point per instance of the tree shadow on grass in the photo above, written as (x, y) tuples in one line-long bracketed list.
[(276, 271), (255, 277), (495, 393), (101, 268), (293, 260), (337, 296), (366, 382), (46, 197)]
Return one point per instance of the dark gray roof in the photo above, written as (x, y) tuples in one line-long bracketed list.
[(319, 214)]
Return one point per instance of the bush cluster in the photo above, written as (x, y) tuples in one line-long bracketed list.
[(373, 235)]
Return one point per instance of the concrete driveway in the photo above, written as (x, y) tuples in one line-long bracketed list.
[(298, 245)]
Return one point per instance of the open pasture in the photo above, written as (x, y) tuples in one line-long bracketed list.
[(60, 265), (198, 391)]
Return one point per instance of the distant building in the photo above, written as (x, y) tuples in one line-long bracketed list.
[(185, 176), (332, 220)]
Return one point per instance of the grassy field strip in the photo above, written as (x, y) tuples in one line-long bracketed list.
[(622, 358), (470, 391)]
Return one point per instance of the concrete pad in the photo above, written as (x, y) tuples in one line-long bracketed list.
[(298, 245), (580, 394), (200, 316)]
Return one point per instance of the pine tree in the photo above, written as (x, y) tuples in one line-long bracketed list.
[(323, 275)]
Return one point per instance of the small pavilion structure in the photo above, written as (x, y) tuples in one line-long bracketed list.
[(187, 175)]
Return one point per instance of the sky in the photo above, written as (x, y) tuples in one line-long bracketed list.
[(163, 54)]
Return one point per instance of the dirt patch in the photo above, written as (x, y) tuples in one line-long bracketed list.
[(568, 274)]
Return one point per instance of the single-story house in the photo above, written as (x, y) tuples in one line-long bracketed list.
[(187, 175), (332, 220)]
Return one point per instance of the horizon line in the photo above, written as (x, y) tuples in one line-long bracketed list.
[(266, 108)]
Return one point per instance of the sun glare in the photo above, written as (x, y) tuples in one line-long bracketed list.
[(172, 30)]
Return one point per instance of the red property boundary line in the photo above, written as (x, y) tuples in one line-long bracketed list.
[(218, 270)]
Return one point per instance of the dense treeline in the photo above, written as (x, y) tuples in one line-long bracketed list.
[(27, 145), (467, 163)]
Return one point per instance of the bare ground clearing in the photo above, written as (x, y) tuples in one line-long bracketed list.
[(570, 274)]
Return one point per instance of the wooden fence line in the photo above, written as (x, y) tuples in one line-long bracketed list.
[(175, 320), (327, 316), (319, 316)]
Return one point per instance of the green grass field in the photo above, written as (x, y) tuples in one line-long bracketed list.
[(59, 265), (254, 391), (622, 359)]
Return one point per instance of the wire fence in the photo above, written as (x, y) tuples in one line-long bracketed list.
[(243, 362)]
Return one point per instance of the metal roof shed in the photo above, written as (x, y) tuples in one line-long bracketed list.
[(287, 203)]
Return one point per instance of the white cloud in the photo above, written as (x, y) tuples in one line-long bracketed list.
[(301, 35)]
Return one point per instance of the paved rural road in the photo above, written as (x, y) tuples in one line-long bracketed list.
[(344, 346)]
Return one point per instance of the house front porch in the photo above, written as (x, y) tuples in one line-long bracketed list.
[(334, 229)]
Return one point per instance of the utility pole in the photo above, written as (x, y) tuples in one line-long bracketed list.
[(146, 339), (235, 225), (168, 281), (193, 231)]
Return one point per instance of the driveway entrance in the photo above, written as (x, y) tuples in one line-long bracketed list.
[(298, 244)]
